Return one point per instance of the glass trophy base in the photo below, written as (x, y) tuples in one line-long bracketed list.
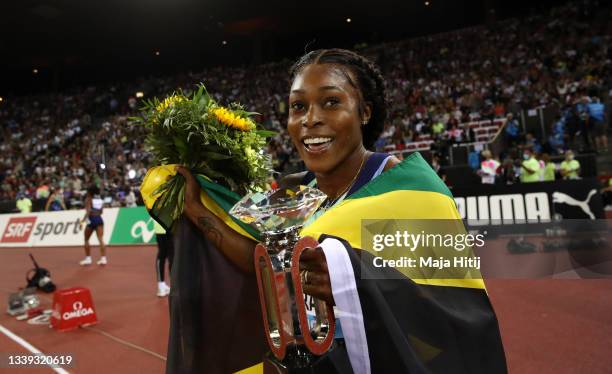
[(298, 360)]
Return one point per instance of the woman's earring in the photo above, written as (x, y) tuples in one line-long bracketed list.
[(364, 123)]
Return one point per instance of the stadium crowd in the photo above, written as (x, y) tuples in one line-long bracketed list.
[(69, 140)]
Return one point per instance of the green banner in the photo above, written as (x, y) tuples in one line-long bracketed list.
[(133, 226)]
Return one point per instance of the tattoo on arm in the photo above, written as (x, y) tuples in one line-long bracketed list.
[(212, 233)]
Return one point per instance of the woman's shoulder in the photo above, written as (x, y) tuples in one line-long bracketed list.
[(411, 173), (391, 162)]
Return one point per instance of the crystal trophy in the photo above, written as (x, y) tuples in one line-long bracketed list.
[(297, 337)]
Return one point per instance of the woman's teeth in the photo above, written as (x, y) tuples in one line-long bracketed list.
[(316, 141), (317, 144)]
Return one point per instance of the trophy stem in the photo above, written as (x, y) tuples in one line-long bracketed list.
[(298, 360), (296, 347), (278, 241)]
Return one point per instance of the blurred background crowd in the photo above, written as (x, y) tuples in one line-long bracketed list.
[(53, 146)]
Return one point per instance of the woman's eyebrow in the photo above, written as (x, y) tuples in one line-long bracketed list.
[(327, 88), (324, 88)]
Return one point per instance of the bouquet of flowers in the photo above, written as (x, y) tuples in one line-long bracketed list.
[(222, 146)]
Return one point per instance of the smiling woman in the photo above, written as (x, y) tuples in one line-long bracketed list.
[(395, 324), (388, 322)]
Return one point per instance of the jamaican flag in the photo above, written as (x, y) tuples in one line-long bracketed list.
[(395, 320), (215, 317), (216, 198)]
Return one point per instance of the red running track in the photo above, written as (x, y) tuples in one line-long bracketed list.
[(548, 326), (124, 295)]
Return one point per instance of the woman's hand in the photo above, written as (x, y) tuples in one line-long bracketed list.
[(236, 248), (315, 275), (192, 191)]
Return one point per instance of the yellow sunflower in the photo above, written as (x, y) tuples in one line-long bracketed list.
[(229, 118), (168, 102)]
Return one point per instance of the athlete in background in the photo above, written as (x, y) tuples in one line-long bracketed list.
[(165, 251), (93, 216)]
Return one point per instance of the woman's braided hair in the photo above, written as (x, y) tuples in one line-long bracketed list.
[(370, 84)]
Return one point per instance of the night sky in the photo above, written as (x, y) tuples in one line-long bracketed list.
[(71, 43)]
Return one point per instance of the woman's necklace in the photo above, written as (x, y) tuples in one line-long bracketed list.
[(331, 202)]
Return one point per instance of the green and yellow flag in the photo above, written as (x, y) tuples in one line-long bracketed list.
[(442, 323), (412, 195), (216, 198), (215, 317), (414, 321)]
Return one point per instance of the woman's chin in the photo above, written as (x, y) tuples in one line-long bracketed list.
[(315, 164)]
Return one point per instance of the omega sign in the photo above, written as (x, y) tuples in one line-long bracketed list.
[(77, 311), (505, 209)]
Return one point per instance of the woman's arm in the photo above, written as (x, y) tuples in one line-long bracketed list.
[(48, 202), (235, 247), (87, 208)]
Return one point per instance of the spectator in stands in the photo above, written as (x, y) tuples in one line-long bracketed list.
[(499, 110), (435, 163), (556, 139), (513, 131), (24, 204), (489, 168), (572, 126), (530, 167), (532, 143), (548, 169), (55, 202), (130, 198), (584, 126), (508, 171), (42, 192), (570, 168), (474, 160), (456, 134), (437, 128), (597, 119)]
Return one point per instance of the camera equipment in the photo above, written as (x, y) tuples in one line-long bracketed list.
[(22, 301), (39, 278)]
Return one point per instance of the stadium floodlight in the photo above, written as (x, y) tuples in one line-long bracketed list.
[(224, 42), (132, 174), (139, 94), (156, 53), (1, 99), (102, 166), (348, 20), (427, 3), (35, 71)]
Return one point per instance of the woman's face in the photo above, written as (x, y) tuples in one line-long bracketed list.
[(324, 117)]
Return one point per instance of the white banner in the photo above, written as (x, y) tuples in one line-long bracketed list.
[(51, 229)]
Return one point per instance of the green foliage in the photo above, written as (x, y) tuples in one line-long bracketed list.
[(229, 150)]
